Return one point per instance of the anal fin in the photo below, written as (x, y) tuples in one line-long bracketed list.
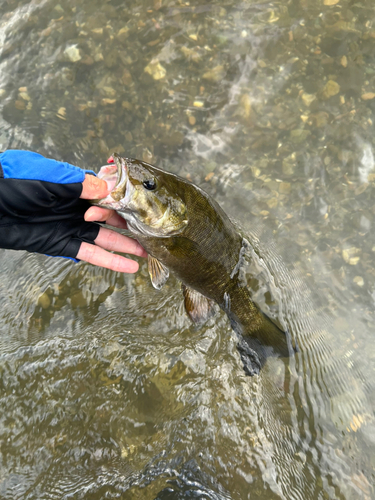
[(158, 272), (198, 307)]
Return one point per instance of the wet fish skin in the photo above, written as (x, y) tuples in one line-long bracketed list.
[(185, 230)]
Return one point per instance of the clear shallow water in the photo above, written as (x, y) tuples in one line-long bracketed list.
[(107, 390)]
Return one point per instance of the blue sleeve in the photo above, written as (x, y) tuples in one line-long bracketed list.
[(27, 165)]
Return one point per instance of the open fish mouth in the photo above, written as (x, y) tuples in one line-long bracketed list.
[(115, 175), (113, 172), (109, 174)]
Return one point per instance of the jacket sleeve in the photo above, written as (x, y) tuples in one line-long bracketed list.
[(40, 208)]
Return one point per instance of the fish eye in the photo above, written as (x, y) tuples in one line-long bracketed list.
[(149, 184)]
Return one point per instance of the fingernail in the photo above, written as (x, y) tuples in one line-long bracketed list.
[(131, 267)]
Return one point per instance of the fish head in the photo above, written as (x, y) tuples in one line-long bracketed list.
[(148, 198)]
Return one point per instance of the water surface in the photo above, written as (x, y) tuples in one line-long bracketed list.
[(106, 389)]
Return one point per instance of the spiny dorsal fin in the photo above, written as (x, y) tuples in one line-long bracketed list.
[(198, 307), (158, 272)]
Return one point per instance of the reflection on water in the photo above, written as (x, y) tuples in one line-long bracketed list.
[(107, 390)]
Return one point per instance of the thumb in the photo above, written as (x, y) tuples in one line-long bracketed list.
[(94, 188)]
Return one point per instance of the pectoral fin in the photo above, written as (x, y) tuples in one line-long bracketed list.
[(198, 307), (158, 272)]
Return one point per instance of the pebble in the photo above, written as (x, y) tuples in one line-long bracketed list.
[(308, 98), (110, 59), (61, 113), (123, 34), (109, 91), (353, 261), (289, 164), (127, 105), (190, 54), (192, 120), (21, 105), (330, 89), (73, 53), (359, 280), (367, 96), (344, 61), (98, 57), (87, 60), (256, 171), (106, 101), (25, 96), (245, 106), (156, 70), (319, 119), (350, 255), (214, 75), (299, 135), (272, 203), (285, 187)]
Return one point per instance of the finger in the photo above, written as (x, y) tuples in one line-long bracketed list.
[(110, 240), (99, 257), (93, 187), (97, 214)]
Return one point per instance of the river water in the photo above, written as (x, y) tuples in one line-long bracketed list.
[(106, 389)]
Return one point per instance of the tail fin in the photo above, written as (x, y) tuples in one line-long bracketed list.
[(270, 341)]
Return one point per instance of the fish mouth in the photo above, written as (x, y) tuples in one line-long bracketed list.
[(109, 174), (122, 172), (115, 175)]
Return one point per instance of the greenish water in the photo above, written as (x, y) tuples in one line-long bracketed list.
[(106, 389)]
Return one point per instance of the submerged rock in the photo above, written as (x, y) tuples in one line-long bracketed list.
[(156, 70), (330, 89), (72, 53)]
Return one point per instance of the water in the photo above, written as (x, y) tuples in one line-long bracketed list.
[(107, 390)]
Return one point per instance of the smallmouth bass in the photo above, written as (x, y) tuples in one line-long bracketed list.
[(185, 231)]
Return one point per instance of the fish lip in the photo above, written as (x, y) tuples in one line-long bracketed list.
[(121, 169)]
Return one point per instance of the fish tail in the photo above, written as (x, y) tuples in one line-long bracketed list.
[(268, 341)]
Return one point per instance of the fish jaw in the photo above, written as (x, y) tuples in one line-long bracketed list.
[(116, 176)]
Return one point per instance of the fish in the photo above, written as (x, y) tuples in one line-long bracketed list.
[(186, 232)]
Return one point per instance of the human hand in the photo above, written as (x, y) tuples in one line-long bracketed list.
[(95, 188), (42, 208)]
